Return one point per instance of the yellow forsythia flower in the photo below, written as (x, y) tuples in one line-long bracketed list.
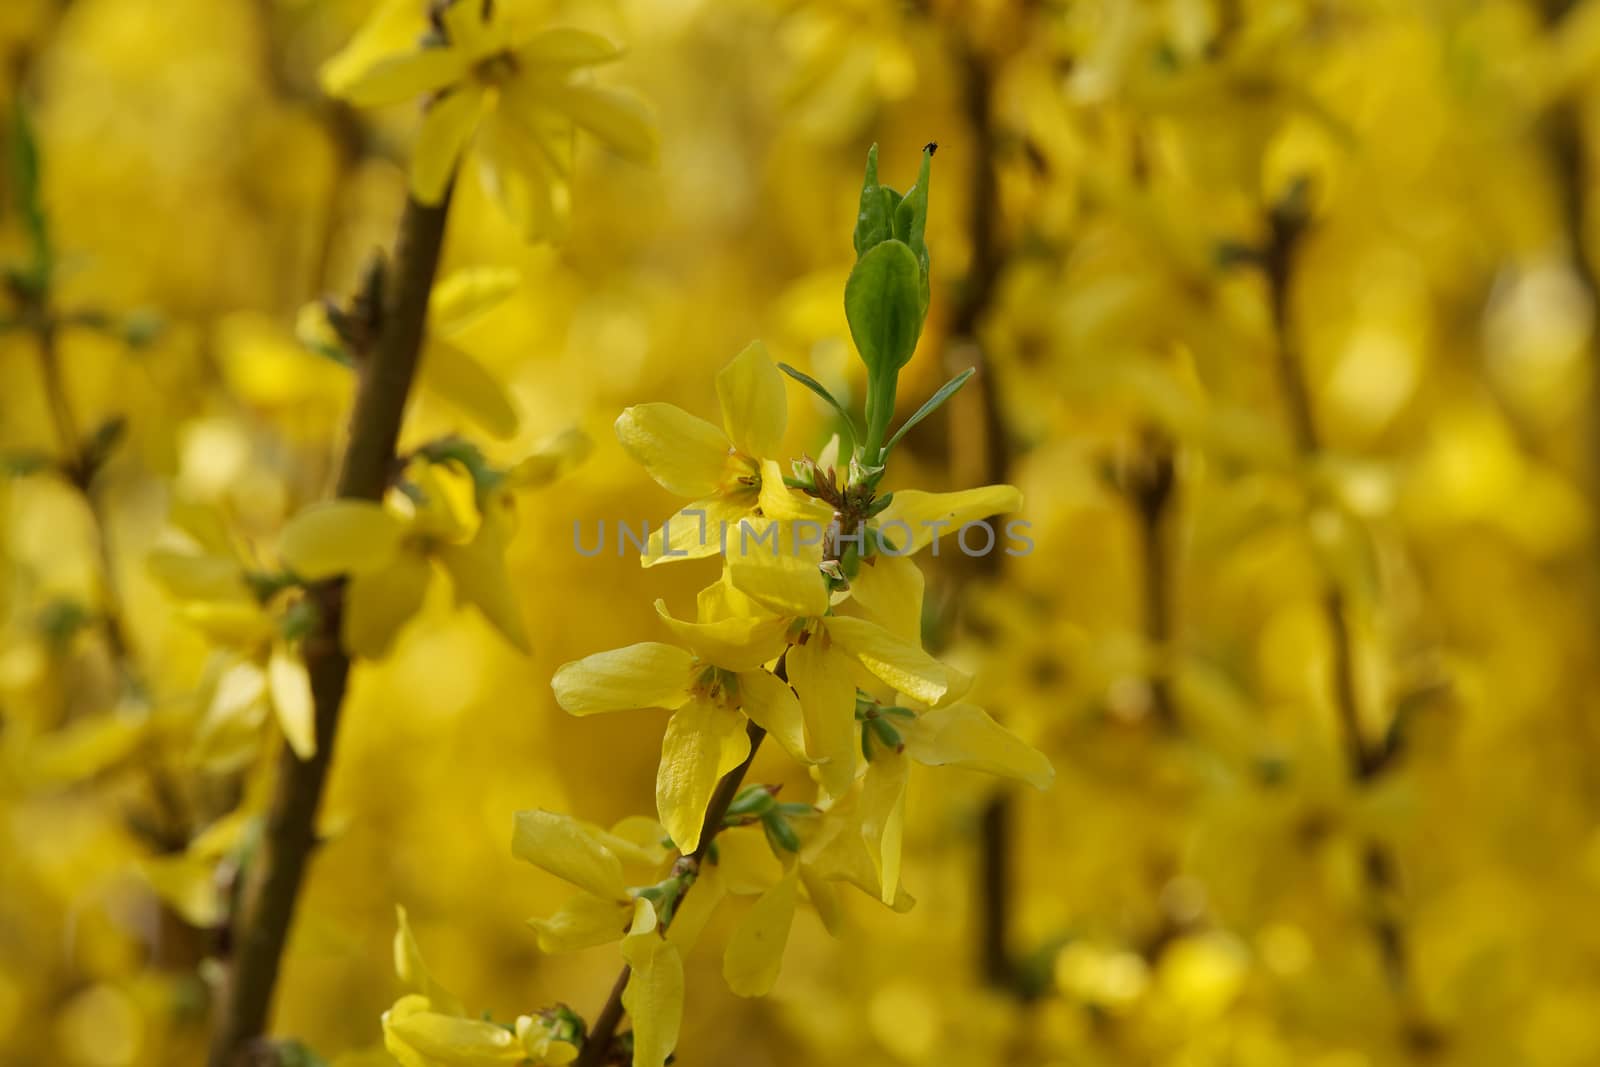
[(512, 94)]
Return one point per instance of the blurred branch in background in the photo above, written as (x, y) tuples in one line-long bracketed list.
[(260, 926), (1288, 222)]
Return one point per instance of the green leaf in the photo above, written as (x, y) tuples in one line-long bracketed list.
[(818, 388), (883, 303), (946, 391), (873, 221), (911, 215)]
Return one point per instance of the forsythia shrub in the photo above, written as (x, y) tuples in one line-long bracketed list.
[(1229, 477)]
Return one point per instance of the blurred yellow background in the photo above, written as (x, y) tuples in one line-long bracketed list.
[(1209, 882)]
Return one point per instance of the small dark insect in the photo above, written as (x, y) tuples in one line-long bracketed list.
[(931, 147)]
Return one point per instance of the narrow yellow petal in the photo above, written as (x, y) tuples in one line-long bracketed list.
[(392, 29), (462, 296), (824, 899), (883, 818), (695, 532), (570, 850), (684, 454), (889, 591), (517, 175), (646, 675), (292, 702), (754, 408), (703, 741), (583, 922), (617, 118), (827, 692), (566, 47), (398, 78), (696, 908), (746, 862), (775, 563), (469, 387), (653, 997), (915, 518), (902, 665), (478, 572), (755, 951), (340, 537), (446, 128), (378, 604), (740, 643), (197, 577), (963, 735), (452, 1040), (771, 704), (778, 501), (412, 969)]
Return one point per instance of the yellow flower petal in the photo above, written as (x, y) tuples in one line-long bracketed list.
[(778, 501), (378, 604), (927, 515), (697, 531), (450, 1040), (754, 409), (241, 624), (462, 296), (478, 571), (583, 922), (391, 29), (446, 128), (703, 742), (824, 899), (883, 818), (469, 387), (963, 735), (745, 860), (889, 592), (740, 643), (902, 665), (696, 908), (773, 562), (684, 454), (570, 850), (516, 173), (772, 705), (412, 969), (197, 577), (292, 701), (827, 690), (646, 675), (566, 47), (755, 951), (398, 78), (340, 537), (617, 118), (654, 995), (550, 460)]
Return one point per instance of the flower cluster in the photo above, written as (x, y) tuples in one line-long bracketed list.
[(814, 642)]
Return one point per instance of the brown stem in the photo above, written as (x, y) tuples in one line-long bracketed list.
[(79, 468), (261, 924), (972, 305), (1150, 491), (597, 1046), (1380, 871)]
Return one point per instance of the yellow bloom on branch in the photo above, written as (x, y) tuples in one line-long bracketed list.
[(510, 93), (726, 471)]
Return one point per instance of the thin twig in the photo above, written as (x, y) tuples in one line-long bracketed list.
[(261, 925), (597, 1046), (1380, 871)]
